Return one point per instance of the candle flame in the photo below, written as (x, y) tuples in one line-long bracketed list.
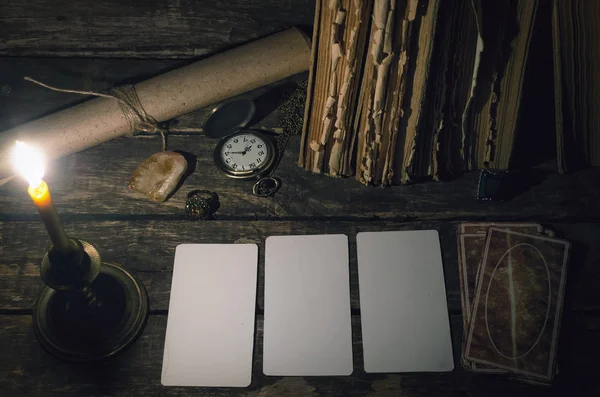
[(28, 162), (37, 192)]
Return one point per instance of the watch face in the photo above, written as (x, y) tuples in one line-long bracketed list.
[(244, 154)]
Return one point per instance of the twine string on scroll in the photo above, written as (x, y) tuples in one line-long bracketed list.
[(130, 104)]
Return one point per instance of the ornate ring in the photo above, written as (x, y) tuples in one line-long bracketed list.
[(201, 204)]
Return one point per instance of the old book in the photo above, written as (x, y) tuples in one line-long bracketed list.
[(417, 137), (507, 29), (464, 45), (412, 90), (576, 44), (392, 137), (471, 244), (466, 88), (518, 304), (384, 89), (368, 86), (339, 36)]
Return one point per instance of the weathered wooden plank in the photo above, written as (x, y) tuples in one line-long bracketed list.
[(167, 29), (148, 248), (95, 182), (150, 244), (80, 186), (27, 370), (20, 286)]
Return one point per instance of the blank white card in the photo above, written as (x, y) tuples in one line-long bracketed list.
[(210, 328), (307, 329), (403, 307)]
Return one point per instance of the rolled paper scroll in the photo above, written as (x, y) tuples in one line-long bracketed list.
[(168, 95)]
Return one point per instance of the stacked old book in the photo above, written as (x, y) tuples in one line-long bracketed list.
[(512, 278), (576, 44), (402, 91), (339, 36)]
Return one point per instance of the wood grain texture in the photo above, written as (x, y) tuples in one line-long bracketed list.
[(147, 248), (94, 182), (90, 192), (81, 186), (141, 29), (28, 370)]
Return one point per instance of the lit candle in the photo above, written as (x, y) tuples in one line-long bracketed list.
[(29, 163)]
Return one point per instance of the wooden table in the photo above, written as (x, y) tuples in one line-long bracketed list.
[(90, 191)]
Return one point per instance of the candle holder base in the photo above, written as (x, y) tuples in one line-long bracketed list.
[(71, 326)]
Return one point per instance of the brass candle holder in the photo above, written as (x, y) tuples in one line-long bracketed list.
[(89, 309)]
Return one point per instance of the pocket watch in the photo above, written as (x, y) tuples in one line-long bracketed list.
[(245, 154), (241, 153)]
